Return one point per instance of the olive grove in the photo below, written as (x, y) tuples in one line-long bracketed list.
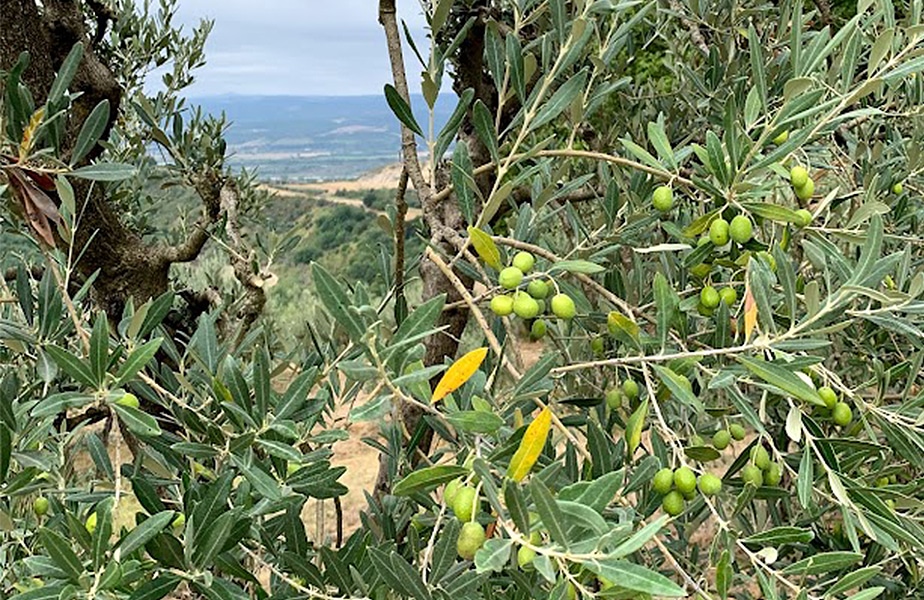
[(663, 338)]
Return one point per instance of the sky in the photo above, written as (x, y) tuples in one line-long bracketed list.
[(297, 47)]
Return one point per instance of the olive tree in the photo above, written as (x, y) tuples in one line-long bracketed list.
[(664, 338)]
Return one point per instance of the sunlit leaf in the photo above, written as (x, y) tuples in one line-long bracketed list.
[(457, 374), (530, 446)]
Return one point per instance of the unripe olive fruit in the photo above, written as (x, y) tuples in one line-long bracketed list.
[(179, 521), (773, 475), (737, 431), (538, 329), (760, 457), (292, 468), (721, 439), (614, 398), (525, 306), (828, 395), (805, 217), (798, 176), (630, 388), (538, 289), (40, 506), (753, 475), (129, 400), (806, 191), (898, 188), (781, 138), (704, 310), (709, 297), (596, 345), (701, 271), (471, 538), (662, 198), (450, 491), (685, 480), (740, 229), (524, 261), (728, 295), (882, 482), (525, 556), (663, 481), (90, 523), (541, 304), (673, 503), (510, 278), (502, 305), (842, 414), (563, 306), (718, 232), (709, 484), (463, 504)]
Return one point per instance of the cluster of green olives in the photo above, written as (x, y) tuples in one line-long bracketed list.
[(529, 303), (739, 230), (760, 470), (723, 437), (462, 499), (802, 184), (839, 411), (710, 298), (678, 486), (617, 395), (721, 234)]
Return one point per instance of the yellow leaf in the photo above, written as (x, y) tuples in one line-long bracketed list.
[(459, 373), (530, 446), (485, 247), (750, 311), (28, 135), (617, 322), (634, 427)]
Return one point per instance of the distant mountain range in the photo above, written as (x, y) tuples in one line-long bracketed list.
[(315, 138)]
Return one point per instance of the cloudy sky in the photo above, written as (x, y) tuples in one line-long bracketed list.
[(300, 47)]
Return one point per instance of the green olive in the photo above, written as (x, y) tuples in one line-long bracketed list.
[(842, 414), (673, 503), (709, 484), (685, 480), (751, 474), (709, 297), (663, 481), (510, 278), (471, 538), (718, 232), (737, 431), (464, 502), (630, 388), (740, 229), (798, 176), (502, 305), (538, 289), (662, 198), (563, 306), (524, 261)]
